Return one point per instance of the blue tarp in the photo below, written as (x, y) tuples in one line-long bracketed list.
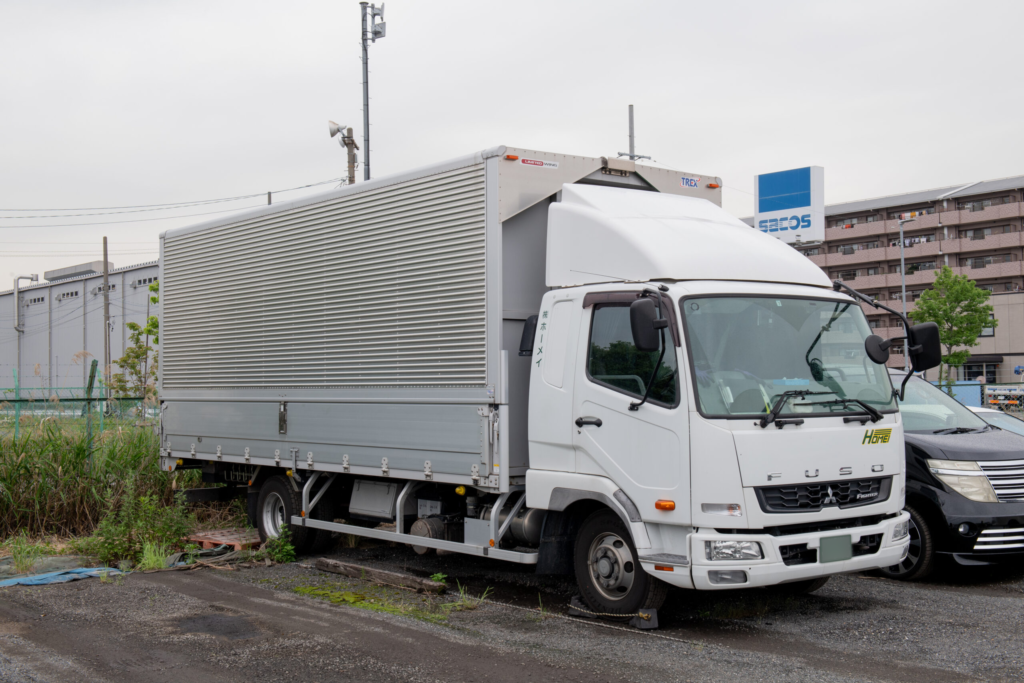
[(59, 577)]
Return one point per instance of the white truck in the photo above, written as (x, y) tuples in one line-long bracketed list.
[(579, 363)]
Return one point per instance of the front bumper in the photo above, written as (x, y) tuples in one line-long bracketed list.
[(773, 569)]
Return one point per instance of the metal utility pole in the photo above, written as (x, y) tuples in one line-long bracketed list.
[(633, 156), (376, 31), (903, 284), (106, 316)]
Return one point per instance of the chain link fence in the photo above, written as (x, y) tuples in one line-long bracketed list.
[(71, 409)]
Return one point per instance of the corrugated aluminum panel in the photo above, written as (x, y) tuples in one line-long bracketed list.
[(384, 288)]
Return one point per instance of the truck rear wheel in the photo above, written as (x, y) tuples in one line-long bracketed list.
[(609, 576), (278, 502)]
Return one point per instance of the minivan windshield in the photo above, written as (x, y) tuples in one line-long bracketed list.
[(926, 408), (746, 352)]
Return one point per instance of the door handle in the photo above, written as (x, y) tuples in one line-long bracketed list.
[(596, 421)]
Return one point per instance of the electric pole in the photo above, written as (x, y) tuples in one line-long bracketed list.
[(106, 318), (376, 31), (348, 141), (633, 156)]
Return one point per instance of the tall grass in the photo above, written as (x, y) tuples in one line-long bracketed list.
[(50, 484)]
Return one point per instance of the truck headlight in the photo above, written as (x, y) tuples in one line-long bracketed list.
[(901, 530), (733, 550), (965, 477)]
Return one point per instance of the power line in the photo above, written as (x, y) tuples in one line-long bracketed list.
[(135, 220), (171, 205)]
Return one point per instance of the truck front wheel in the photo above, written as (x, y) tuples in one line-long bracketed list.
[(610, 578), (277, 502)]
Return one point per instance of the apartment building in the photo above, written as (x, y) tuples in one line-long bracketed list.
[(975, 229)]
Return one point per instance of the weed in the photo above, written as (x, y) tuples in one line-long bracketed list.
[(349, 541), (154, 556), (280, 549), (140, 520), (439, 577), (465, 601), (378, 604), (24, 553)]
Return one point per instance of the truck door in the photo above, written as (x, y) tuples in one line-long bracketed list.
[(644, 451)]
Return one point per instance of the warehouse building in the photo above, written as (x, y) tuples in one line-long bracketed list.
[(62, 323), (975, 229)]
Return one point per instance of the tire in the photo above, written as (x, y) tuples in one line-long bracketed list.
[(920, 559), (610, 579), (804, 587), (278, 502)]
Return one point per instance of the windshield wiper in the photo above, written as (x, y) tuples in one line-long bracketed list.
[(963, 430), (783, 399), (869, 409)]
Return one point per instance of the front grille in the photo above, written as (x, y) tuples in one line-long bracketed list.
[(1007, 478), (797, 554), (1000, 539), (813, 497)]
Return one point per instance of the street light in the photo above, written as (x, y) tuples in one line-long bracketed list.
[(905, 218)]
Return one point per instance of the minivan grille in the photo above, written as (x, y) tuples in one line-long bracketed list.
[(1000, 539), (1007, 478), (813, 497)]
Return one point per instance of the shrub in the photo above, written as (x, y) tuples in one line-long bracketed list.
[(280, 549), (141, 520)]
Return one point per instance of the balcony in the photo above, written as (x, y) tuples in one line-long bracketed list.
[(966, 244), (858, 256), (858, 230), (917, 278), (820, 260), (991, 213), (865, 281), (930, 220), (991, 270), (914, 250)]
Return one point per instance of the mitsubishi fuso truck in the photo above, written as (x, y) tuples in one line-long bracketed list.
[(582, 364)]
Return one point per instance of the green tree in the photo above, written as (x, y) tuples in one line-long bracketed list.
[(138, 367), (961, 310), (139, 363)]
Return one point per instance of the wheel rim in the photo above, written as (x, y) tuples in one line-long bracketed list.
[(914, 552), (273, 515), (611, 566)]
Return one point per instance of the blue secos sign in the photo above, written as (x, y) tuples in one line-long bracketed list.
[(790, 205), (791, 223)]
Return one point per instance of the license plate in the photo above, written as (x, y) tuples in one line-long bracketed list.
[(836, 549)]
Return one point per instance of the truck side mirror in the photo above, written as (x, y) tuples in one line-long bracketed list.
[(644, 322), (877, 348), (924, 347)]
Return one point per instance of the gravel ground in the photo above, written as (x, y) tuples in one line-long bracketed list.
[(253, 625)]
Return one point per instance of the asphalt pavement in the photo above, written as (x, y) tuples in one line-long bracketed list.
[(292, 622)]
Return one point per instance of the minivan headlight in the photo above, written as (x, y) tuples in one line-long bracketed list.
[(966, 478), (733, 550)]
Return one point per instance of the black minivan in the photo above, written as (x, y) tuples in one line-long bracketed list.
[(965, 484)]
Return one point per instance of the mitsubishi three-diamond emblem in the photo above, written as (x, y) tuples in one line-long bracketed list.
[(830, 499)]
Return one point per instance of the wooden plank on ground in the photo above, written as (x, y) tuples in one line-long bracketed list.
[(380, 576)]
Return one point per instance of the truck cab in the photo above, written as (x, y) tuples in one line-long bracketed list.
[(757, 445)]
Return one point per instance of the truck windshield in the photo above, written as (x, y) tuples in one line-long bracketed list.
[(746, 351)]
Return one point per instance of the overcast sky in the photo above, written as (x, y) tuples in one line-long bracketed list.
[(112, 104)]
